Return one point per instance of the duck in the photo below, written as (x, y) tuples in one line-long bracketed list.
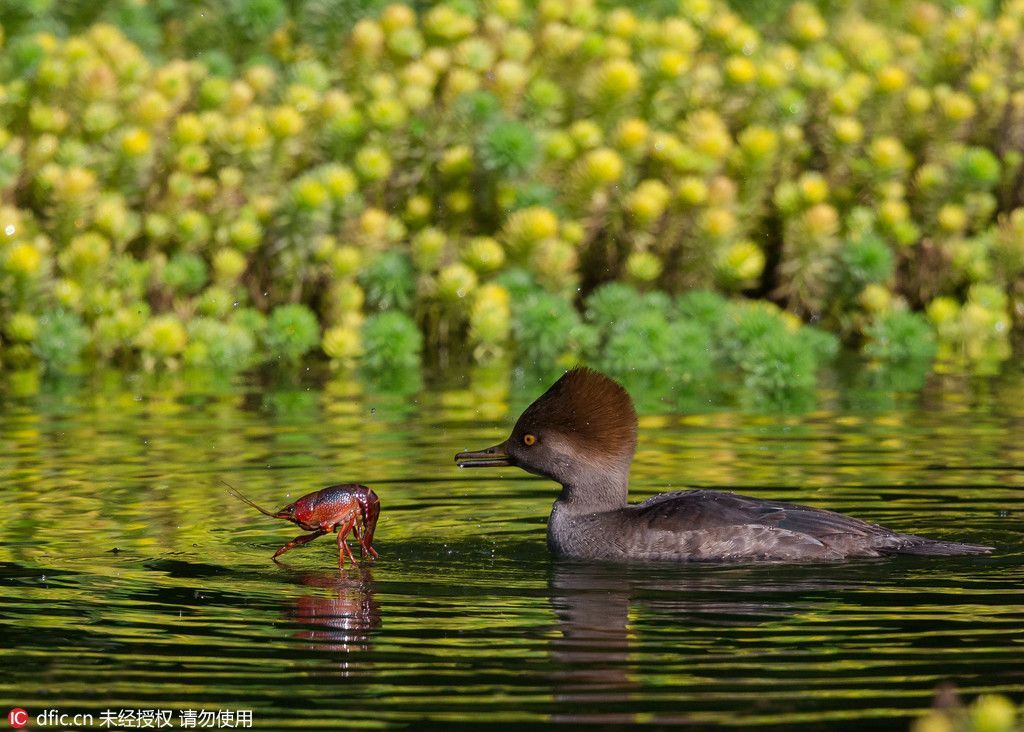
[(582, 433)]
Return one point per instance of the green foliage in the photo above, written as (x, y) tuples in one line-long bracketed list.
[(617, 301), (209, 162), (221, 347), (509, 148), (291, 332), (703, 306), (389, 281), (547, 327), (185, 273), (901, 346), (866, 260), (900, 338), (254, 20), (391, 341), (60, 340), (519, 283), (778, 370), (977, 168)]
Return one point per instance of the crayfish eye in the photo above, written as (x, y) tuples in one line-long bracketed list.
[(529, 440)]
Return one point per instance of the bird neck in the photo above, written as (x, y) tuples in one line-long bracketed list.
[(593, 488)]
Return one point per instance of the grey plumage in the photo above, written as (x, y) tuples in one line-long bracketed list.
[(704, 525), (582, 433)]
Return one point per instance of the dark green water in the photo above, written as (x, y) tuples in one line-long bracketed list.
[(465, 618)]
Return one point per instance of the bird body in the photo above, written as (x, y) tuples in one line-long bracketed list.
[(582, 433)]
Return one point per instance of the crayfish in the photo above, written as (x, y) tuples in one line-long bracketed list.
[(342, 508)]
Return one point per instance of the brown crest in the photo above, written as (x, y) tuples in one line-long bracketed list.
[(588, 408)]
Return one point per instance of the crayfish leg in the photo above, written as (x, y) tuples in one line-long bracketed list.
[(343, 547), (298, 541), (364, 546)]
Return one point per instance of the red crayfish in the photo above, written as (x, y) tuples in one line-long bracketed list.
[(342, 508)]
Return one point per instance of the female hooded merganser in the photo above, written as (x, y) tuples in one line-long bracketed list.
[(582, 433)]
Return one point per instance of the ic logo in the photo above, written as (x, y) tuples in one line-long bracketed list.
[(18, 718)]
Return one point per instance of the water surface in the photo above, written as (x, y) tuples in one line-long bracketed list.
[(132, 579)]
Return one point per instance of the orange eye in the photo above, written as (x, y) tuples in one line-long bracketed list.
[(529, 440)]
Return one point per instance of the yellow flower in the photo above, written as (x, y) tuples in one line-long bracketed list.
[(554, 262), (509, 78), (245, 233), (68, 293), (631, 134), (490, 317), (847, 130), (136, 142), (891, 78), (527, 226), (456, 161), (455, 282), (692, 191), (387, 113), (76, 182), (427, 248), (152, 108), (23, 259), (813, 187), (346, 260), (616, 79), (347, 297), (163, 336), (373, 163), (586, 134), (285, 122), (957, 107), (718, 222), (459, 201), (340, 182), (889, 154), (367, 37), (671, 63), (189, 130), (397, 16), (228, 264), (943, 310), (740, 70), (483, 254), (821, 220), (643, 266), (240, 96), (342, 343), (602, 166), (875, 298), (952, 218), (759, 143), (918, 100), (621, 22), (741, 262), (261, 78), (647, 202)]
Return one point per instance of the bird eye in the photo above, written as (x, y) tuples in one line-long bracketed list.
[(529, 440)]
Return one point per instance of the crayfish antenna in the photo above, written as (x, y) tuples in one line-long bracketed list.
[(247, 500)]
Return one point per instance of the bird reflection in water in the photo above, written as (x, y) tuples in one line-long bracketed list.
[(341, 617), (594, 655), (591, 656)]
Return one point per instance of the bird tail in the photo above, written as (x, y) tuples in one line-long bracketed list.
[(919, 546)]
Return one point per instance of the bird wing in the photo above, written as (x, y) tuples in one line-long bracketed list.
[(710, 524)]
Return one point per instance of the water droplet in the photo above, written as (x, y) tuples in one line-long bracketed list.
[(9, 229)]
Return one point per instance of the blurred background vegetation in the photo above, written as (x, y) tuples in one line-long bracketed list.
[(665, 190)]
